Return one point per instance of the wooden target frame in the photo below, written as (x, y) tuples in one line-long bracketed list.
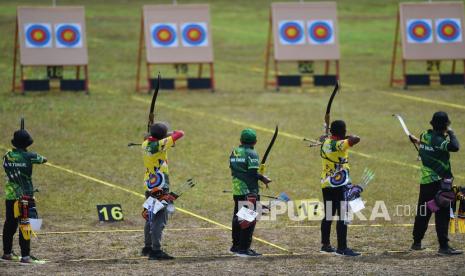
[(308, 51), (58, 54), (429, 48), (174, 18)]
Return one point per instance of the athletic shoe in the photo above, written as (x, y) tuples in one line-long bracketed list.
[(234, 249), (347, 252), (31, 260), (449, 251), (12, 257), (247, 253), (327, 249), (416, 246), (159, 255), (146, 251)]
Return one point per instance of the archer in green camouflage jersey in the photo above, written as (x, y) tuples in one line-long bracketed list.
[(245, 165), (17, 164), (435, 146)]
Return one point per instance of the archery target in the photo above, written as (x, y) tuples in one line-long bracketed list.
[(38, 35), (164, 35), (419, 31), (448, 30), (291, 32), (68, 35), (194, 34), (320, 32)]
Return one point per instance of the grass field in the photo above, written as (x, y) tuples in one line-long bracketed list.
[(89, 134)]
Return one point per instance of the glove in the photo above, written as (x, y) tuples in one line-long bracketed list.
[(353, 192), (261, 169)]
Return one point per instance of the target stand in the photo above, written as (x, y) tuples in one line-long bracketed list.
[(176, 36), (306, 34), (51, 39), (431, 33)]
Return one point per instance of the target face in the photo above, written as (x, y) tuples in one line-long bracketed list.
[(38, 35), (194, 34), (291, 32), (164, 35), (320, 32), (419, 31), (68, 35), (448, 30)]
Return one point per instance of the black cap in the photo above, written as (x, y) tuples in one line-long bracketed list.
[(159, 130), (440, 121), (338, 128), (22, 139)]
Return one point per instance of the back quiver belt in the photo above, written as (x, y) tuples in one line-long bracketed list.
[(22, 210)]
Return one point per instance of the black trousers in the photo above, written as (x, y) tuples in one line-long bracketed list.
[(241, 238), (9, 229), (332, 198), (442, 216)]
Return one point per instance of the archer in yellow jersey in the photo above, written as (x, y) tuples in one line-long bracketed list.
[(155, 155), (335, 179)]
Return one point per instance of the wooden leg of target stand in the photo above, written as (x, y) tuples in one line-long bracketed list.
[(78, 72), (148, 79), (15, 57), (21, 73), (276, 74), (199, 73), (337, 70), (327, 67), (404, 69), (464, 73), (212, 77), (86, 75), (453, 66)]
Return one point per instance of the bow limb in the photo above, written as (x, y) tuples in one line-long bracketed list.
[(328, 108), (152, 104)]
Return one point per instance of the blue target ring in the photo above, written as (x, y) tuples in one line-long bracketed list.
[(38, 35), (164, 35), (291, 32), (448, 30), (194, 34), (419, 31), (320, 31), (68, 35)]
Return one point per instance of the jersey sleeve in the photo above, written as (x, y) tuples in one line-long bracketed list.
[(161, 145), (252, 160), (440, 144), (36, 158), (342, 145)]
